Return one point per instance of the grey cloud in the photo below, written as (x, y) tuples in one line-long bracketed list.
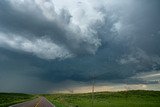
[(36, 24), (124, 41)]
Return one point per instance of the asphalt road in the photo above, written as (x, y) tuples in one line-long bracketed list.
[(38, 102)]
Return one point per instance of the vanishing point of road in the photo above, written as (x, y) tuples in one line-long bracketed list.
[(38, 102)]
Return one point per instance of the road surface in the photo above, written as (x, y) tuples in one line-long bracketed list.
[(38, 102)]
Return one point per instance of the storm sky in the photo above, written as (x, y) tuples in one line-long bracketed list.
[(59, 45)]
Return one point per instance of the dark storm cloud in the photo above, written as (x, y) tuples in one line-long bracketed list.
[(32, 23), (122, 42)]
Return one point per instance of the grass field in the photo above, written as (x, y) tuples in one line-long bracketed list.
[(107, 99), (7, 99), (101, 99)]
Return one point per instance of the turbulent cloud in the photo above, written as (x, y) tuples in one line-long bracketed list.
[(38, 19), (68, 24), (41, 47), (115, 40)]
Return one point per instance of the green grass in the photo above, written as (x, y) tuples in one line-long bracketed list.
[(107, 99), (101, 99), (7, 99)]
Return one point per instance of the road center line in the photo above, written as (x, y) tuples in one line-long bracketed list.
[(38, 103)]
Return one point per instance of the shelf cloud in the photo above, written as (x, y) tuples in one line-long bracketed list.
[(53, 41)]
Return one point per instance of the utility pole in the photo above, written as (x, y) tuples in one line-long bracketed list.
[(93, 86), (127, 89)]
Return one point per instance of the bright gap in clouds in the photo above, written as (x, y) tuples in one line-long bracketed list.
[(153, 76)]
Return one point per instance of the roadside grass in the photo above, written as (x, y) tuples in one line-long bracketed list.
[(107, 99), (7, 99), (137, 98)]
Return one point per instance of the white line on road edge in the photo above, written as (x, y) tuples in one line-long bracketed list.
[(50, 103)]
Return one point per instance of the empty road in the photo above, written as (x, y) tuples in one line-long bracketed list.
[(38, 102)]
